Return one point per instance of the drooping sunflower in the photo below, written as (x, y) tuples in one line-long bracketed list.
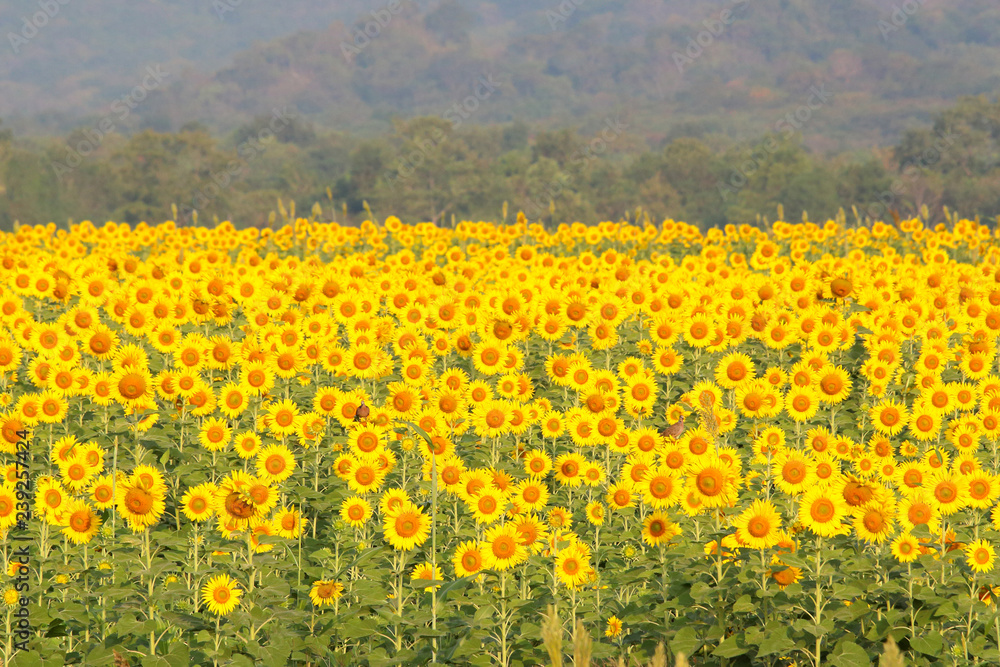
[(221, 594)]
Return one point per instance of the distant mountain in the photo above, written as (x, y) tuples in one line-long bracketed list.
[(856, 72)]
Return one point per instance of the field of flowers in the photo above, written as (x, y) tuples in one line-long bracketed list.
[(326, 445)]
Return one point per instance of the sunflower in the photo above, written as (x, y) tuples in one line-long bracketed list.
[(533, 493), (406, 528), (553, 424), (355, 511), (429, 573), (784, 575), (234, 400), (141, 506), (197, 502), (905, 548), (288, 523), (568, 469), (468, 559), (281, 418), (715, 481), (102, 492), (275, 464), (759, 526), (53, 407), (983, 488), (232, 502), (658, 529), (595, 513), (802, 403), (572, 566), (925, 423), (614, 627), (488, 505), (215, 434), (503, 548), (8, 507), (792, 471), (75, 473), (980, 556), (537, 463), (366, 475), (919, 509), (661, 488), (132, 387), (874, 522), (325, 592), (948, 492), (834, 385), (734, 369), (532, 532), (81, 522), (619, 497), (247, 444), (221, 594)]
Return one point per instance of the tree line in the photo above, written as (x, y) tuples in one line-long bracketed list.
[(436, 168)]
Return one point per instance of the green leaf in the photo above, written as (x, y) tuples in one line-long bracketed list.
[(744, 603), (685, 641), (730, 648), (849, 654), (777, 641), (929, 644)]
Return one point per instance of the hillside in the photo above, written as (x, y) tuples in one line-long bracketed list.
[(637, 60)]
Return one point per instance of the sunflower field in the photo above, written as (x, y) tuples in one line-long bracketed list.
[(399, 445)]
